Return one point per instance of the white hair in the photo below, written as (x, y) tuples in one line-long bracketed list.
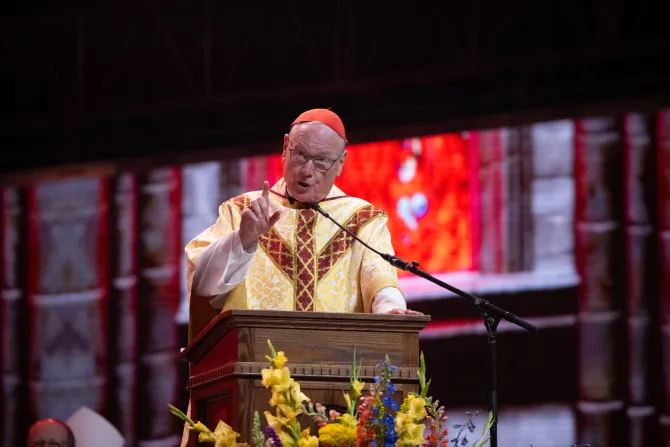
[(322, 128)]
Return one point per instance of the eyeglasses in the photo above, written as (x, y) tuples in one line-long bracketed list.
[(322, 164)]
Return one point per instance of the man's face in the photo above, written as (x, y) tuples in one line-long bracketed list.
[(313, 159), (49, 434)]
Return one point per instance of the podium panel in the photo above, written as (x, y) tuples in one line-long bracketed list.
[(227, 357)]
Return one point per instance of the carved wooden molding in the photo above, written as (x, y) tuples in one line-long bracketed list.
[(316, 320), (299, 372)]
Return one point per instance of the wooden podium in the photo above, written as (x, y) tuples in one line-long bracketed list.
[(227, 357)]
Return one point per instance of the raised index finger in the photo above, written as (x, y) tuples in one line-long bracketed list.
[(266, 190)]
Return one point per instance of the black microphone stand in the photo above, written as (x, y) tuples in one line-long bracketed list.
[(492, 315)]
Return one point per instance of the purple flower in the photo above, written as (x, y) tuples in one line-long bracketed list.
[(272, 434)]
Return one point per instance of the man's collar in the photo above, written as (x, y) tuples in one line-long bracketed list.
[(280, 189)]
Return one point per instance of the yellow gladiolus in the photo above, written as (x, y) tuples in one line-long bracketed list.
[(413, 435), (281, 379), (225, 433), (417, 408), (296, 394), (306, 440), (348, 400), (400, 422), (278, 379), (358, 387), (200, 428), (280, 360), (267, 377), (288, 412), (207, 437), (286, 439), (223, 436), (277, 399), (277, 422)]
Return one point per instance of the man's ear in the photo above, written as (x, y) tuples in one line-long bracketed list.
[(340, 162)]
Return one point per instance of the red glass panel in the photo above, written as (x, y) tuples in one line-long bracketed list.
[(424, 186)]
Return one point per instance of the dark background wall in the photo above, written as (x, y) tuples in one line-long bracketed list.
[(85, 81)]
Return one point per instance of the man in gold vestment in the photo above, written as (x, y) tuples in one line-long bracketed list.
[(269, 250)]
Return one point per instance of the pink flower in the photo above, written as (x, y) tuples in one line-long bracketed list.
[(320, 422), (333, 414)]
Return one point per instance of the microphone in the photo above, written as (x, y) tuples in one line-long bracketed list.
[(290, 198)]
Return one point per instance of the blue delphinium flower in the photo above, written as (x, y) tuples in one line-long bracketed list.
[(390, 436)]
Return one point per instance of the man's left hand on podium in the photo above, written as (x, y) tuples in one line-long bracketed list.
[(403, 312)]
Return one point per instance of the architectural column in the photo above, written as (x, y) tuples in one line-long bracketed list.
[(12, 322), (123, 305), (553, 210), (491, 156), (67, 296), (159, 248), (599, 216), (505, 181), (200, 202), (517, 217), (641, 268), (663, 164)]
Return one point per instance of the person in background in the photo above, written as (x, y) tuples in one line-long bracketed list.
[(50, 433)]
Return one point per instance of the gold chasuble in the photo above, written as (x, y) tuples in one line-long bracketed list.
[(305, 262)]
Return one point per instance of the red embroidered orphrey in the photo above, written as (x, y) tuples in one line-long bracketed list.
[(300, 266)]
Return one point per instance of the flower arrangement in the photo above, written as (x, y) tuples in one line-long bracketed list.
[(222, 436), (373, 419)]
